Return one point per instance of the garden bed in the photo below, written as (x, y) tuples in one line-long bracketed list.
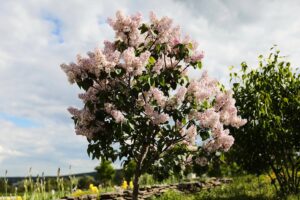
[(157, 190)]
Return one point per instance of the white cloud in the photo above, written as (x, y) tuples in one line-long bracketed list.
[(34, 88), (4, 153)]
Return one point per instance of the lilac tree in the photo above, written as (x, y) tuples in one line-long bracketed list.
[(139, 98)]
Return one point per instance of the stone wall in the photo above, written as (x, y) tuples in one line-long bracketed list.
[(157, 190)]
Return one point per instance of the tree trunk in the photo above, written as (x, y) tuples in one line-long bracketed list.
[(136, 185), (138, 172)]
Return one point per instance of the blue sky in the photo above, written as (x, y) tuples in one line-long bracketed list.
[(37, 36)]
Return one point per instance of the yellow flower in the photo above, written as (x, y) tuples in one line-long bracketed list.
[(77, 193), (131, 185), (124, 185), (91, 186), (93, 189), (19, 198)]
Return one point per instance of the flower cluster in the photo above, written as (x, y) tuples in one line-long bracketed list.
[(156, 117), (116, 114), (126, 27), (133, 63), (166, 32), (202, 161), (203, 89), (84, 118)]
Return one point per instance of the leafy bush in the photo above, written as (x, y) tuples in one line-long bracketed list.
[(147, 179), (269, 98), (85, 181), (105, 172)]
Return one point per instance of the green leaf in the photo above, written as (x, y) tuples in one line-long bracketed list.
[(143, 28), (151, 60), (87, 83), (199, 64), (230, 68)]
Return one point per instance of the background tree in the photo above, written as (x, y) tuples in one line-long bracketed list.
[(139, 98), (85, 181), (269, 98), (105, 172), (129, 170)]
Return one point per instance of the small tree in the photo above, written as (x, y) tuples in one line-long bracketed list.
[(105, 172), (129, 170), (139, 98), (85, 181), (269, 98)]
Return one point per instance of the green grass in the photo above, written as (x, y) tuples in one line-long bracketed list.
[(242, 188)]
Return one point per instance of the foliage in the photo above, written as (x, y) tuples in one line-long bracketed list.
[(105, 172), (128, 170), (269, 98), (138, 97), (36, 188), (174, 195), (146, 179), (4, 186), (85, 181)]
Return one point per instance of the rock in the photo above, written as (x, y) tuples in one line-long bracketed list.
[(157, 190)]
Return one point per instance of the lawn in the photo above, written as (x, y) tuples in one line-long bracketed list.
[(242, 188)]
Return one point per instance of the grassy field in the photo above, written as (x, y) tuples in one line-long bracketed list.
[(242, 188)]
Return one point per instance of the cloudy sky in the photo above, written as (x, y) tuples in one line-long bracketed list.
[(38, 35)]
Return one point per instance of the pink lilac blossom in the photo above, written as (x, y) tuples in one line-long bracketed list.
[(166, 33), (160, 118), (158, 96), (171, 63), (159, 65), (109, 47), (222, 99), (191, 134), (180, 95), (90, 94), (222, 113), (218, 130), (211, 146), (116, 114), (84, 119), (197, 56), (72, 71), (228, 111), (209, 118), (126, 28), (96, 62), (202, 161), (203, 89), (134, 64), (225, 141), (156, 117)]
